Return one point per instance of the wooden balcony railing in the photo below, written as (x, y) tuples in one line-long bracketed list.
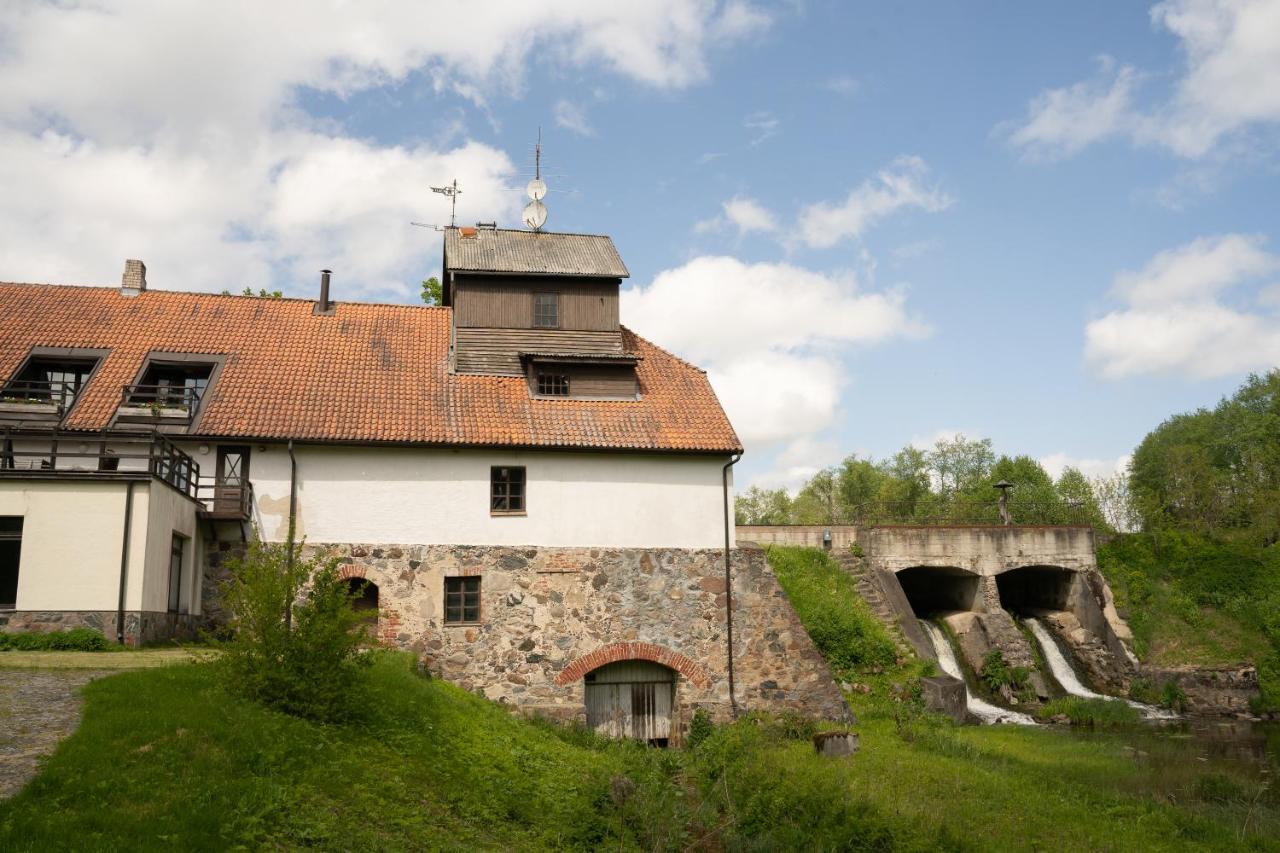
[(39, 397), (161, 403), (56, 454)]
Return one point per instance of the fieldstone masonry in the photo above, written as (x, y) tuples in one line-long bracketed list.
[(550, 615)]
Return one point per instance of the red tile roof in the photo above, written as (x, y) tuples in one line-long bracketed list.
[(369, 373)]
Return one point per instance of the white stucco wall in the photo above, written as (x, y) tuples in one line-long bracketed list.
[(441, 497), (71, 537), (169, 512)]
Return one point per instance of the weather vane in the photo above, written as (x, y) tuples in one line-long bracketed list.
[(452, 191), (535, 212)]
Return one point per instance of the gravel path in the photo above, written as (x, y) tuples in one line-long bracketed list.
[(38, 708)]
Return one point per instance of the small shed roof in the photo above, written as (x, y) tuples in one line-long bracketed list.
[(502, 250)]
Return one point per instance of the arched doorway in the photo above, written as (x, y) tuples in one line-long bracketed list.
[(631, 698), (365, 594)]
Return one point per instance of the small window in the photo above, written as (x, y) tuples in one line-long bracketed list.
[(553, 384), (176, 551), (506, 489), (461, 600), (546, 310)]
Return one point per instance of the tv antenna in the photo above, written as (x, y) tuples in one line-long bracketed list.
[(535, 212), (452, 191)]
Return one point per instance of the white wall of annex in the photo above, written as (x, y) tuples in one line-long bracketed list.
[(441, 497), (71, 537), (170, 512)]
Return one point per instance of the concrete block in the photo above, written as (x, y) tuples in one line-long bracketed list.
[(945, 695)]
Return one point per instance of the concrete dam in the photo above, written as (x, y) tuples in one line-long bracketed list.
[(955, 594)]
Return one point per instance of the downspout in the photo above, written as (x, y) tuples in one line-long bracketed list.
[(293, 516), (728, 580), (124, 562)]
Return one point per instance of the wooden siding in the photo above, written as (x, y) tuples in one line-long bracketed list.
[(501, 302), (591, 381), (498, 350)]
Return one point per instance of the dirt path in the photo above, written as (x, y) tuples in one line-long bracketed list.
[(38, 708)]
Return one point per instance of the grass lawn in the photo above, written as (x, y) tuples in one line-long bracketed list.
[(166, 760)]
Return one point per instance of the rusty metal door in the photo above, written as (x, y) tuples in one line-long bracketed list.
[(631, 699)]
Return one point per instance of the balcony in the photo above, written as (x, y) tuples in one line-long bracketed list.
[(36, 402), (50, 454), (161, 407)]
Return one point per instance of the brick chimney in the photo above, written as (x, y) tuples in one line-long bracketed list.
[(134, 280)]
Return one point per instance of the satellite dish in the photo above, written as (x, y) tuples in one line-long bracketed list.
[(535, 214), (537, 189)]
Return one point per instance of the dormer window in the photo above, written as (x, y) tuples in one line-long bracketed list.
[(553, 385), (173, 386), (50, 380), (546, 310)]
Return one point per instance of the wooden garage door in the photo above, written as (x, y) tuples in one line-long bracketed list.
[(631, 699)]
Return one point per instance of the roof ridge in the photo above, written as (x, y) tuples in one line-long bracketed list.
[(205, 293)]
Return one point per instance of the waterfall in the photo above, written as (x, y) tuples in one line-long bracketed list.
[(983, 710), (1066, 675)]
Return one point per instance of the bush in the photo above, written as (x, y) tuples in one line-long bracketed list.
[(296, 640), (73, 640), (700, 728), (997, 674)]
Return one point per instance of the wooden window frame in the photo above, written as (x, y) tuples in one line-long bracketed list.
[(500, 491), (462, 594), (552, 384), (555, 302)]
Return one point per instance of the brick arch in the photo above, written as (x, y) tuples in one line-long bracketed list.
[(615, 652), (351, 570)]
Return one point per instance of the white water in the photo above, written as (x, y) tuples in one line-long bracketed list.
[(981, 709), (1066, 676)]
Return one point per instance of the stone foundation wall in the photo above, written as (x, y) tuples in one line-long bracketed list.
[(549, 615), (1227, 690), (139, 626)]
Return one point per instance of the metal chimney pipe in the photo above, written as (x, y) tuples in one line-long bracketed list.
[(324, 289)]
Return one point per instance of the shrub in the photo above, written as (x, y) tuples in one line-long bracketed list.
[(997, 674), (73, 640), (700, 728), (296, 640)]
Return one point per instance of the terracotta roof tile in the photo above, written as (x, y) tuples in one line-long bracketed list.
[(369, 373)]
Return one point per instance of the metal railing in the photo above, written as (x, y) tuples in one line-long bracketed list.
[(941, 513), (167, 402), (98, 453), (34, 392)]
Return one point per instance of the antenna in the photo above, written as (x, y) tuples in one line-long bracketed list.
[(535, 212), (452, 191)]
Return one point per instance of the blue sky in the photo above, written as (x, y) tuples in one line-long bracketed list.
[(872, 223)]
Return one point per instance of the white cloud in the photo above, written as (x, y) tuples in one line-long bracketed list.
[(1056, 463), (573, 117), (1178, 317), (165, 131), (1230, 83), (900, 185), (1060, 122), (793, 465), (763, 125), (743, 214), (771, 337), (843, 84)]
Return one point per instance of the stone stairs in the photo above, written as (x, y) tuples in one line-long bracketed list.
[(869, 589)]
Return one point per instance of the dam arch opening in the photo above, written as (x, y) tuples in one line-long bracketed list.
[(940, 589), (1029, 590)]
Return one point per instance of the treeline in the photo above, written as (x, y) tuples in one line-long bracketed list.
[(1215, 470), (953, 482)]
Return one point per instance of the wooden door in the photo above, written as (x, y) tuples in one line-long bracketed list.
[(631, 699), (232, 478)]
